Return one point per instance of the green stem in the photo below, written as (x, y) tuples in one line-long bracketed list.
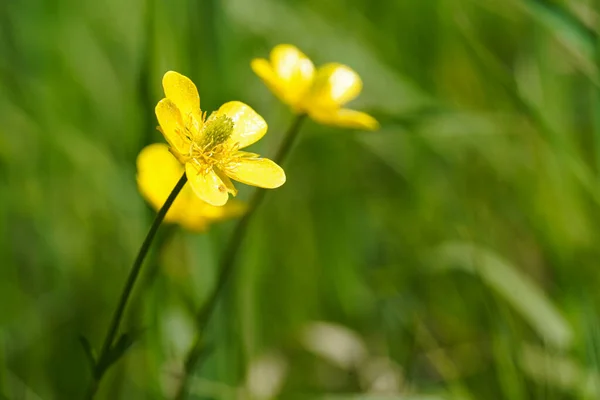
[(227, 263), (105, 358)]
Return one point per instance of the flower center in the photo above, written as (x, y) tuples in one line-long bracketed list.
[(211, 148), (216, 131)]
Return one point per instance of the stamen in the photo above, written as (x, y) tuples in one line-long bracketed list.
[(210, 147), (216, 131)]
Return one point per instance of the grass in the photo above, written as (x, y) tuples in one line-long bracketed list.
[(451, 255)]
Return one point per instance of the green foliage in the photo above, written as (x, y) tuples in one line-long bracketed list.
[(451, 255)]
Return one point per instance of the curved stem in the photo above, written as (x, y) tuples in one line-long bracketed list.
[(105, 358), (227, 264)]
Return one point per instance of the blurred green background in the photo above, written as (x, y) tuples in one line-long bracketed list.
[(454, 254)]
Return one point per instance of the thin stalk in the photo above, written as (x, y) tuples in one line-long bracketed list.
[(227, 264), (105, 359)]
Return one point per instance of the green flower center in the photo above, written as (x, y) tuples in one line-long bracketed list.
[(216, 131), (211, 147)]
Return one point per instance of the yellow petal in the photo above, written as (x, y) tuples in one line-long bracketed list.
[(182, 91), (171, 125), (334, 85), (232, 209), (248, 126), (200, 215), (227, 182), (157, 174), (207, 185), (345, 118), (264, 70), (259, 172), (290, 64), (290, 74)]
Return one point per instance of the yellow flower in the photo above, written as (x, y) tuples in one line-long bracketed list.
[(320, 93), (158, 173), (210, 147)]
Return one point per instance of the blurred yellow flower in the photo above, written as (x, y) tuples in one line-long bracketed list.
[(320, 93), (157, 173), (209, 147)]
